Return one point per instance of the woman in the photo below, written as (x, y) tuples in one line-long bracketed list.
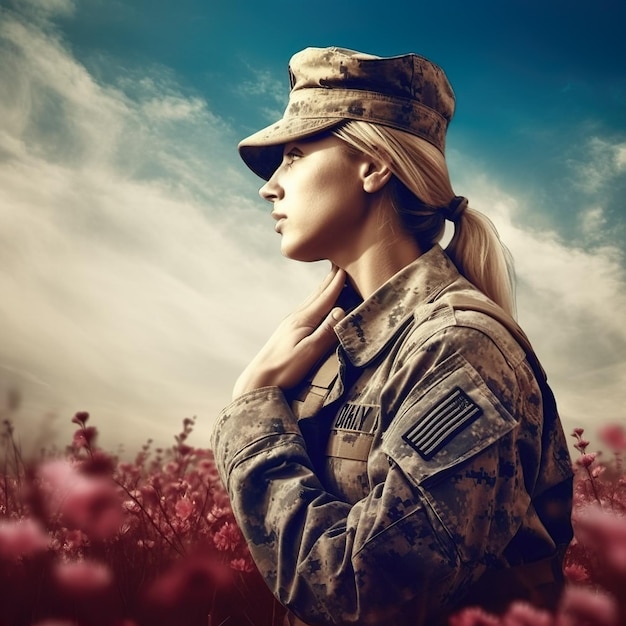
[(393, 452)]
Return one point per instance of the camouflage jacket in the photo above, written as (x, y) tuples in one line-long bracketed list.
[(431, 462)]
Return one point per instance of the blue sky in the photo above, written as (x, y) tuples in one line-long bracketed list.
[(139, 267)]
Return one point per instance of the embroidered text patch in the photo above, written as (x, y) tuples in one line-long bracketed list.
[(442, 422), (356, 417)]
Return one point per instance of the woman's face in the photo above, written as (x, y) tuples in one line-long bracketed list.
[(318, 198)]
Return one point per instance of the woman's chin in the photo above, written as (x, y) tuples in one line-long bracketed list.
[(299, 254)]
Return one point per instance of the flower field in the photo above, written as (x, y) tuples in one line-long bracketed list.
[(87, 539)]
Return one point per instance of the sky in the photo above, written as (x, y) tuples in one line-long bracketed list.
[(139, 269)]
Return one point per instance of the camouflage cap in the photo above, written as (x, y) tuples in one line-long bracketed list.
[(329, 85)]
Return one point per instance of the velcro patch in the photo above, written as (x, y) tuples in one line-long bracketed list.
[(442, 422)]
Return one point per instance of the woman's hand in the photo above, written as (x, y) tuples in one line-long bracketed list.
[(301, 339)]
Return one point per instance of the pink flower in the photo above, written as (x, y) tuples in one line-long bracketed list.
[(524, 614), (614, 436), (94, 508), (227, 537), (184, 449), (149, 496), (80, 418), (90, 503), (207, 469), (84, 437), (22, 539), (597, 471), (131, 506), (82, 577), (473, 616), (171, 468), (581, 445), (605, 533), (582, 606), (98, 463), (576, 573), (242, 565), (127, 468), (54, 475), (184, 508), (74, 539), (586, 460), (217, 513)]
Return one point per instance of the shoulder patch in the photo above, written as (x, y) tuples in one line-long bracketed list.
[(450, 417), (443, 422)]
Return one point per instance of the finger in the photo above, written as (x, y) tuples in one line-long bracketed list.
[(315, 310), (324, 337), (328, 279)]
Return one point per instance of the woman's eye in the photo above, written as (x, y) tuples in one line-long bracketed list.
[(291, 156)]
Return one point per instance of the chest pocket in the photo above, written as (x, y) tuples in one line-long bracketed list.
[(352, 430), (348, 450)]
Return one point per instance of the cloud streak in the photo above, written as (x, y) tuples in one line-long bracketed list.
[(605, 161)]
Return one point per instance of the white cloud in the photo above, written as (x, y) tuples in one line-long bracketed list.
[(593, 223), (266, 88), (602, 161), (44, 9), (620, 156), (263, 84), (175, 108)]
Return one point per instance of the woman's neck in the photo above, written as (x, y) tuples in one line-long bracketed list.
[(378, 262)]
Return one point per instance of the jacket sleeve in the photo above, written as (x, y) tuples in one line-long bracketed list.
[(454, 496)]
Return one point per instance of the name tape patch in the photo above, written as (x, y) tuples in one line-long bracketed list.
[(356, 417), (442, 423)]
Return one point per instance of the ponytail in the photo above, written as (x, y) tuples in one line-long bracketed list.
[(479, 254), (421, 193)]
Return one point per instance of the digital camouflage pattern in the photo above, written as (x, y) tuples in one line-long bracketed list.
[(431, 463), (328, 85)]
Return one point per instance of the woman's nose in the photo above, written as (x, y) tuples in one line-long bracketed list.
[(271, 190)]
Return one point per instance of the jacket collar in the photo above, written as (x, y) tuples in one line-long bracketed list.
[(365, 331)]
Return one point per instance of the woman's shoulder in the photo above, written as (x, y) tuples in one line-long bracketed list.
[(463, 320)]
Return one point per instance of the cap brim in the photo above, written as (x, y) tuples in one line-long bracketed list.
[(262, 152)]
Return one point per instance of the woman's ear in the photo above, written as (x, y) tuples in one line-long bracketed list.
[(375, 175)]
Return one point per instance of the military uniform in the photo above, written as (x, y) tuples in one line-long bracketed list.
[(434, 458)]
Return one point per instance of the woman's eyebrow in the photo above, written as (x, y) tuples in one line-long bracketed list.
[(291, 147)]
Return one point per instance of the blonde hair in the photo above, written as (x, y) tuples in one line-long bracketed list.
[(420, 191)]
